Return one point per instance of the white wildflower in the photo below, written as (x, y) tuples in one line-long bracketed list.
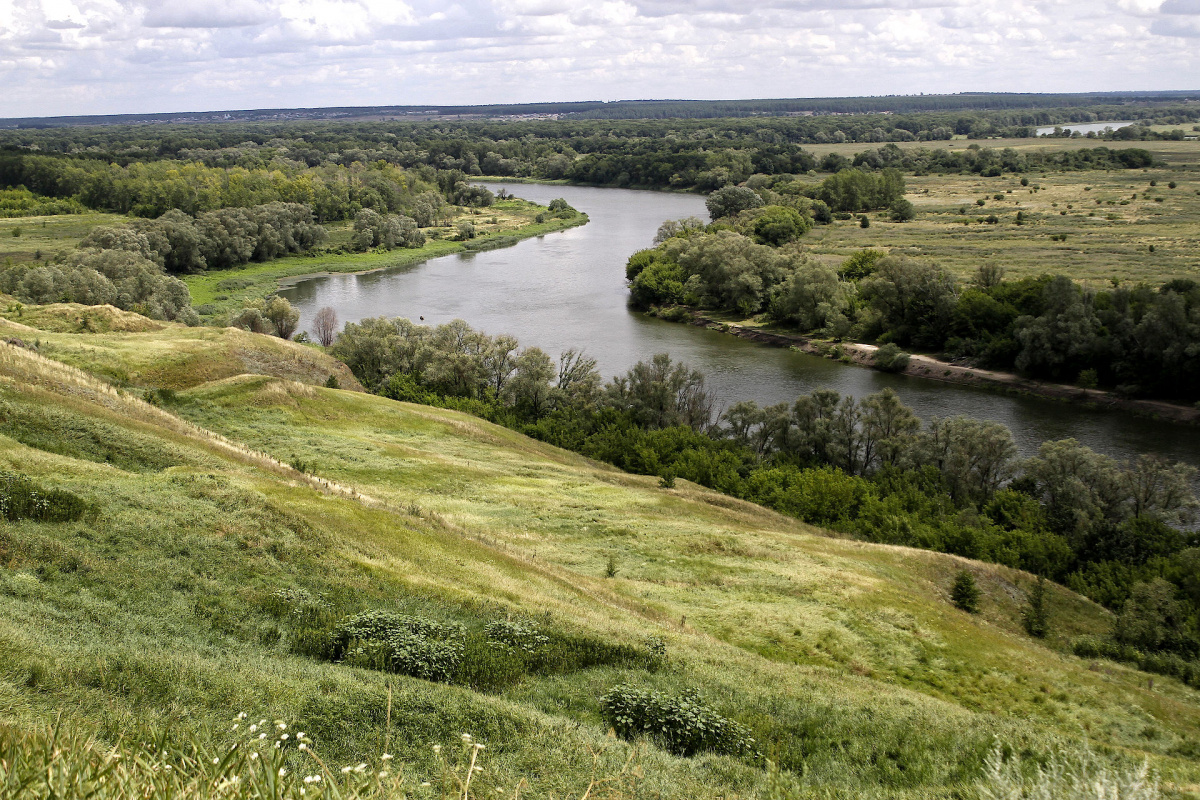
[(253, 728), (385, 757)]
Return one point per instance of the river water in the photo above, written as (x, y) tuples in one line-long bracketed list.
[(1085, 127), (568, 289)]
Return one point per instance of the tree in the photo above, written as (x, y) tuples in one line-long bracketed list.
[(965, 592), (778, 225), (662, 394), (325, 325), (731, 200), (1152, 618), (901, 210), (282, 315), (1036, 614)]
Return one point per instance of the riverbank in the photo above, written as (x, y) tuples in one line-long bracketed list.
[(220, 291), (924, 366)]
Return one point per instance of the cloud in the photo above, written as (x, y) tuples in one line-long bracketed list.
[(209, 14), (76, 56), (1183, 28)]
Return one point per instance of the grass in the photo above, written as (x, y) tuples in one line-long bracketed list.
[(47, 236), (1174, 154), (1104, 235), (846, 661)]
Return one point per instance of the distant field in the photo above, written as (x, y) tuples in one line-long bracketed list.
[(1108, 234), (1175, 154), (23, 238)]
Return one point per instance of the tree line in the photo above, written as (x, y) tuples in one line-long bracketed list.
[(1135, 339), (332, 191), (869, 468), (702, 155)]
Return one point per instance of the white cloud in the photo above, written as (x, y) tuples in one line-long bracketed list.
[(95, 56)]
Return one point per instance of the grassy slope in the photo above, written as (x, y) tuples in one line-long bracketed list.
[(845, 658), (130, 350)]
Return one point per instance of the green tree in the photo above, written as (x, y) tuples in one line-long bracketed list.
[(965, 592), (1036, 614), (731, 200)]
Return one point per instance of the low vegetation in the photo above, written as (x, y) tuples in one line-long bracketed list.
[(213, 571)]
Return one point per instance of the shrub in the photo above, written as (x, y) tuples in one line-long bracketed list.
[(21, 498), (890, 358), (395, 643), (682, 724), (965, 593), (518, 635)]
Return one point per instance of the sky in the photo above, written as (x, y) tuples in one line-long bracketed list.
[(66, 57)]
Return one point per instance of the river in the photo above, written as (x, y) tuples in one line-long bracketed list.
[(1085, 127), (568, 290)]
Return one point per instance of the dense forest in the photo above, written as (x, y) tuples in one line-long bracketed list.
[(866, 467)]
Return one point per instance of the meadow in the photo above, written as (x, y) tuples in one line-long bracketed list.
[(1096, 227), (226, 515)]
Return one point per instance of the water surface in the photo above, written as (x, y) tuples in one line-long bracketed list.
[(568, 290)]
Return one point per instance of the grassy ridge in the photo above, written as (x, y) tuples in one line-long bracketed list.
[(845, 660)]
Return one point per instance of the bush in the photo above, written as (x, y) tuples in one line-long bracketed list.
[(395, 643), (890, 358), (965, 593), (683, 725), (21, 498)]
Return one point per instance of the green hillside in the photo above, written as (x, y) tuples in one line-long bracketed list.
[(234, 521)]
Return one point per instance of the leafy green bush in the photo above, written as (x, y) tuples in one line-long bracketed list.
[(890, 358), (518, 635), (682, 724), (408, 645), (21, 498)]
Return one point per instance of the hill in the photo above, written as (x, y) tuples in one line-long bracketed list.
[(232, 525)]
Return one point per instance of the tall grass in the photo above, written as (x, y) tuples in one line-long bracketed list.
[(1065, 777)]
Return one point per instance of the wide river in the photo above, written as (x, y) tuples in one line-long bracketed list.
[(568, 290)]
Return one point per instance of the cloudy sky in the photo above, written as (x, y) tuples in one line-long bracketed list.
[(140, 56)]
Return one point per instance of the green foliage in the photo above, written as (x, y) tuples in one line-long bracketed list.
[(901, 210), (890, 358), (731, 200), (408, 645), (857, 190), (965, 593), (21, 498), (778, 225), (1036, 614), (682, 724), (860, 265)]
